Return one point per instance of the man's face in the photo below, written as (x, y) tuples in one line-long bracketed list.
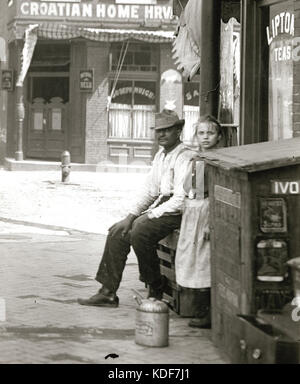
[(168, 137)]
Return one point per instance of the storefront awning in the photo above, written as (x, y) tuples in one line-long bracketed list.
[(55, 31)]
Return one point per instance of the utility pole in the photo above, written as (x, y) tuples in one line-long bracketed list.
[(210, 57)]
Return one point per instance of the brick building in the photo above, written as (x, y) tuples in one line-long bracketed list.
[(91, 75), (100, 70)]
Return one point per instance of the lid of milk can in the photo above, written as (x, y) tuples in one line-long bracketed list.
[(153, 305)]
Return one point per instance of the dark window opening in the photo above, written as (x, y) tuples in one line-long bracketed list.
[(51, 58), (139, 57), (48, 88)]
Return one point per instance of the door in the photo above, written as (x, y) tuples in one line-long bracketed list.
[(48, 117)]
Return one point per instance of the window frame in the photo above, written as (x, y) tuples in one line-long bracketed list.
[(131, 138), (154, 57), (253, 116)]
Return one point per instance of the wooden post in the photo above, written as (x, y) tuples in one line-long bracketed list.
[(210, 57), (20, 108)]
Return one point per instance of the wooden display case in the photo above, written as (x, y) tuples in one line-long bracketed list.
[(255, 229)]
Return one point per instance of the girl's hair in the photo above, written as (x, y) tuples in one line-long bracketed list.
[(212, 120)]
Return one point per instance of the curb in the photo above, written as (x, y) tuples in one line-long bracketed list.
[(71, 231), (31, 165)]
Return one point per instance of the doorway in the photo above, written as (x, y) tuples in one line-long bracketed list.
[(48, 106)]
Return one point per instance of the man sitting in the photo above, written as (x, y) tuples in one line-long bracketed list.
[(156, 214)]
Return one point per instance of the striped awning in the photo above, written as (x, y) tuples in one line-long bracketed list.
[(55, 31)]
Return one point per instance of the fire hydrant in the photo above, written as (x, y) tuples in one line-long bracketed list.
[(65, 166)]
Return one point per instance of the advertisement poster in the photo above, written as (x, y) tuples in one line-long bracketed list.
[(7, 78), (86, 82)]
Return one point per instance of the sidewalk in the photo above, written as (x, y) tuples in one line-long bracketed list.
[(45, 269)]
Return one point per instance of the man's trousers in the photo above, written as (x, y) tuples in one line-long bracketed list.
[(144, 236)]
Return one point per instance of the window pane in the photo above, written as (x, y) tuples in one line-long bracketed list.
[(144, 109), (139, 57), (119, 121), (190, 110), (143, 119), (280, 38), (191, 94), (144, 92), (120, 110), (122, 93), (49, 87), (142, 58), (191, 115)]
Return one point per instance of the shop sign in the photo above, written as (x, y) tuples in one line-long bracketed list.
[(227, 196), (7, 79), (285, 187), (86, 80), (282, 26), (137, 90), (273, 215), (93, 9)]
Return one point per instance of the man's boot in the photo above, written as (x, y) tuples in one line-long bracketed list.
[(104, 298), (156, 289), (203, 312)]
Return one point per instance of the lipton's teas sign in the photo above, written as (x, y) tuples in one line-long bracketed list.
[(93, 9), (282, 28)]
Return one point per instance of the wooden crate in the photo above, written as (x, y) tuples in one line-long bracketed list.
[(181, 300), (243, 181)]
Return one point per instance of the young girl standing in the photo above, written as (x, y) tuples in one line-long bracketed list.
[(192, 262)]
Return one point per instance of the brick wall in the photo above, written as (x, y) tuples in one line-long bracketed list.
[(296, 96), (96, 114)]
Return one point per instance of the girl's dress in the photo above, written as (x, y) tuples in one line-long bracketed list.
[(192, 262)]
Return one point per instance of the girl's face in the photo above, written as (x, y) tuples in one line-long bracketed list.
[(207, 135)]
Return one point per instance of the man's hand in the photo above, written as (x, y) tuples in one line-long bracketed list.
[(122, 227)]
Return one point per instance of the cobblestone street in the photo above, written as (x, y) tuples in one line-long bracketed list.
[(45, 268), (90, 202)]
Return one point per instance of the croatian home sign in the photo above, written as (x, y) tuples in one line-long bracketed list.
[(108, 10)]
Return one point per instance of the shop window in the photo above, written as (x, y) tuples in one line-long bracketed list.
[(132, 109), (48, 88), (229, 92), (138, 57), (51, 58), (190, 110), (276, 72)]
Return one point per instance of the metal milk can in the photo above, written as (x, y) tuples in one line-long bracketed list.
[(152, 323)]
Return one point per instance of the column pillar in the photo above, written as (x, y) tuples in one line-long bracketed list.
[(20, 108), (210, 57)]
